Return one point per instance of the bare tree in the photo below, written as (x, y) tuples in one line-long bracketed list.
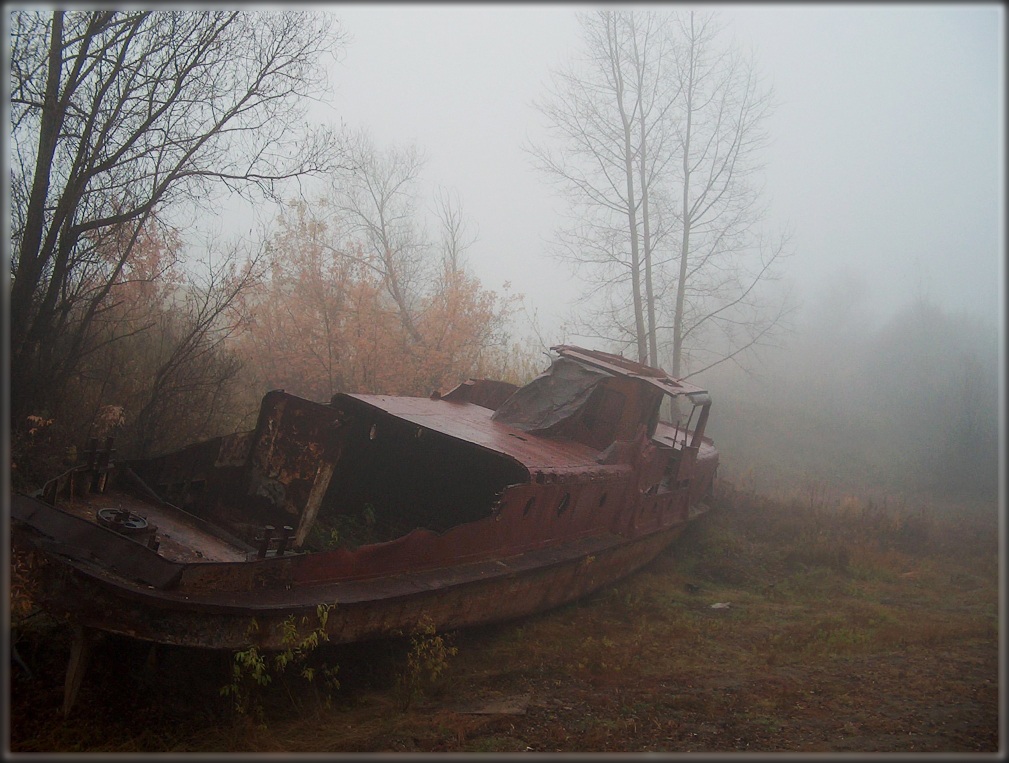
[(161, 357), (377, 202), (658, 132), (369, 305), (192, 366), (609, 115), (117, 115), (456, 237), (718, 138)]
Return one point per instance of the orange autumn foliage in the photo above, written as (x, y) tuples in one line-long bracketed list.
[(324, 322)]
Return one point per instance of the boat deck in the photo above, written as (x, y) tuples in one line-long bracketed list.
[(180, 536)]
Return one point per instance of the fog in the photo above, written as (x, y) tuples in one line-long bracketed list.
[(886, 164), (887, 153)]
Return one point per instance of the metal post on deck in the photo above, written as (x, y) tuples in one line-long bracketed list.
[(98, 464), (285, 536), (105, 463), (264, 545)]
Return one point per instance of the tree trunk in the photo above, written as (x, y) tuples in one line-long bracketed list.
[(681, 282), (632, 222), (30, 265), (653, 351)]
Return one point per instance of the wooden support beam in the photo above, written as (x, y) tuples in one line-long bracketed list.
[(80, 656)]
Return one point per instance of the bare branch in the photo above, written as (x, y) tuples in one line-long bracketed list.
[(119, 115)]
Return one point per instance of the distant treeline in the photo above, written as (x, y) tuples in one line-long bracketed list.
[(909, 404)]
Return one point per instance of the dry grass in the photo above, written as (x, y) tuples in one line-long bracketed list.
[(852, 624)]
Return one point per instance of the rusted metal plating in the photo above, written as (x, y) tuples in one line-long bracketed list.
[(483, 503)]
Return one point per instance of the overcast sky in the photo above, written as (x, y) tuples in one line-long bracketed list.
[(887, 160)]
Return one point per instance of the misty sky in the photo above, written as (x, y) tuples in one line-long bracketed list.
[(887, 160)]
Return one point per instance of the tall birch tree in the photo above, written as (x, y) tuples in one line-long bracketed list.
[(654, 139), (717, 140), (606, 118)]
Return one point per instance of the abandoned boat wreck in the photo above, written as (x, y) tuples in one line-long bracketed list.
[(483, 504)]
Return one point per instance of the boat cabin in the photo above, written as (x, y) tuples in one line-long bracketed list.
[(368, 469)]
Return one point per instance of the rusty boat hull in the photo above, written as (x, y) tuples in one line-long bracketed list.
[(486, 503), (464, 595)]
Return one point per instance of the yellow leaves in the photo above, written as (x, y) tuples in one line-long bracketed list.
[(25, 568), (426, 662), (109, 419), (251, 668), (37, 424)]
